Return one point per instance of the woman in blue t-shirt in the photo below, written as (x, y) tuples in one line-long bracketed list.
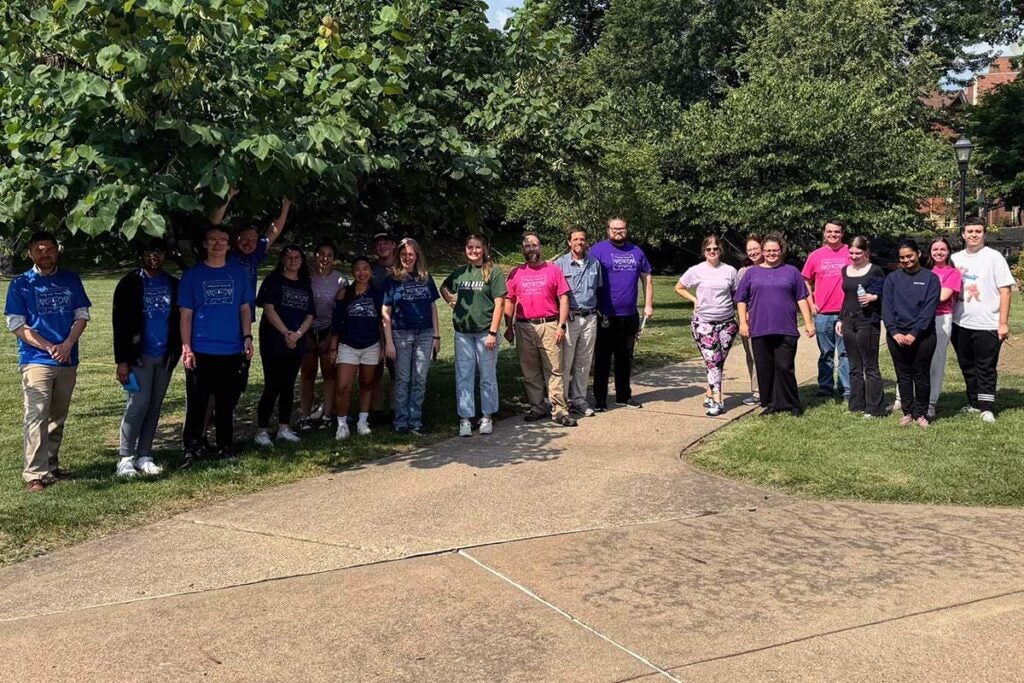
[(355, 345), (287, 300), (410, 332)]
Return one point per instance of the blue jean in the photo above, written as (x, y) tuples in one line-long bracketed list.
[(412, 363), (471, 353), (142, 409), (830, 344)]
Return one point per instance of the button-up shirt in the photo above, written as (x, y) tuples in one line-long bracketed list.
[(584, 278)]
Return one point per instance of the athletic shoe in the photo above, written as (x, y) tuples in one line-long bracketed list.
[(126, 468), (869, 416), (417, 431), (342, 432), (564, 421), (533, 416), (465, 428), (486, 426), (146, 466), (188, 458), (988, 416), (631, 403), (327, 422), (288, 435), (307, 425), (263, 440), (708, 401), (752, 400), (970, 409), (895, 407), (226, 453), (796, 412), (906, 420), (581, 411), (363, 428), (922, 422), (601, 408), (317, 413), (715, 409)]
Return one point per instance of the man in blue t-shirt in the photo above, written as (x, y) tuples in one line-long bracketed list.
[(216, 334), (47, 310)]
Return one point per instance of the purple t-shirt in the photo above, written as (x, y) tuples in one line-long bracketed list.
[(771, 295), (621, 268)]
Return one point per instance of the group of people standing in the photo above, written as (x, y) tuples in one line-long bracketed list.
[(843, 298), (566, 316)]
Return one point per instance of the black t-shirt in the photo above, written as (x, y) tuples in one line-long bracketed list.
[(872, 282), (292, 301)]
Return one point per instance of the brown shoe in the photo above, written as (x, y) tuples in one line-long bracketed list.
[(35, 486)]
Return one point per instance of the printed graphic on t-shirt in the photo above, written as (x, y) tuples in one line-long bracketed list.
[(157, 299), (415, 291), (219, 292), (624, 263), (970, 286), (362, 308), (529, 285), (471, 286), (831, 267), (53, 300), (294, 298)]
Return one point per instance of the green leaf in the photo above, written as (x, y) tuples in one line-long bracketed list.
[(107, 57)]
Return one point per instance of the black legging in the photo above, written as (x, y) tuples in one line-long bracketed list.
[(279, 373), (913, 372)]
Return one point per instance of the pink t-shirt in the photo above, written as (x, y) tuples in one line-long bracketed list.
[(535, 291), (949, 278), (824, 269)]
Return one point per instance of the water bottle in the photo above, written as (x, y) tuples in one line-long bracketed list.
[(861, 292)]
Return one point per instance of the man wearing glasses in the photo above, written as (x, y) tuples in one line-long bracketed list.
[(216, 334), (147, 346), (623, 265), (823, 274)]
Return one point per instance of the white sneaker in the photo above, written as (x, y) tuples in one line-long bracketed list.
[(363, 428), (146, 466), (263, 440), (988, 416), (342, 432), (288, 435), (465, 427), (969, 409), (486, 425), (126, 468)]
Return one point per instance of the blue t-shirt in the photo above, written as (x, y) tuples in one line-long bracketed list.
[(214, 296), (156, 313), (48, 304), (251, 264), (411, 303), (292, 301), (356, 318)]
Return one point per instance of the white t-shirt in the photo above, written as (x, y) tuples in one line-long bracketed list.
[(983, 272), (715, 287)]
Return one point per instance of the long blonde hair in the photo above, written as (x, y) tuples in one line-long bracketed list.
[(421, 272), (487, 265)]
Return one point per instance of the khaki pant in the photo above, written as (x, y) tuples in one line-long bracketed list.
[(540, 357), (577, 356), (47, 397)]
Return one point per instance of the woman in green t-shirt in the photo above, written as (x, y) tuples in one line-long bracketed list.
[(476, 292)]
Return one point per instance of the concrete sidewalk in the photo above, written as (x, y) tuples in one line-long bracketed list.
[(537, 553)]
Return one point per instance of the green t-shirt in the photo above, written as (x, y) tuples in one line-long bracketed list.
[(474, 298)]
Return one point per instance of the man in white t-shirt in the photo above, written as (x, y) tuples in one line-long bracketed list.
[(981, 317)]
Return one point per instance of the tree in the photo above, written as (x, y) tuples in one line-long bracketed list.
[(996, 126)]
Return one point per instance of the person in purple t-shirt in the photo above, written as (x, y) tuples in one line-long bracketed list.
[(623, 265), (767, 301)]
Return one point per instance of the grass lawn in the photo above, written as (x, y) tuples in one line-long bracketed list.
[(95, 502), (833, 454)]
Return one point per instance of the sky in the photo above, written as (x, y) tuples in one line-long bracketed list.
[(499, 11)]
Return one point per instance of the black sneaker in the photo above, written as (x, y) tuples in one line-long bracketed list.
[(565, 421), (225, 453), (533, 416), (631, 403), (204, 448), (307, 425), (601, 408), (187, 460)]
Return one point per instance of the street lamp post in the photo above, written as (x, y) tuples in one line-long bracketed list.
[(963, 149)]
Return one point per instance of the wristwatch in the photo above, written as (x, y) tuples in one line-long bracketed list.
[(564, 326)]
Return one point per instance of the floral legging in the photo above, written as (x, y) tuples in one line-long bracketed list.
[(714, 341)]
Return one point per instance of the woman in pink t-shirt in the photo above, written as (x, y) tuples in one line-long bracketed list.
[(714, 321), (951, 284)]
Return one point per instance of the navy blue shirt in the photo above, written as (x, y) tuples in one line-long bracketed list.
[(909, 301), (356, 318), (215, 295), (251, 264), (292, 301), (411, 302)]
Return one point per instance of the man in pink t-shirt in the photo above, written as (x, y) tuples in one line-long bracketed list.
[(538, 302), (823, 273)]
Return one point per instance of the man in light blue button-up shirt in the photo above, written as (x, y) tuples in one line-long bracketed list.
[(583, 273)]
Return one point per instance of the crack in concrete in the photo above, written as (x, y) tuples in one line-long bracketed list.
[(848, 629), (301, 539), (573, 619)]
